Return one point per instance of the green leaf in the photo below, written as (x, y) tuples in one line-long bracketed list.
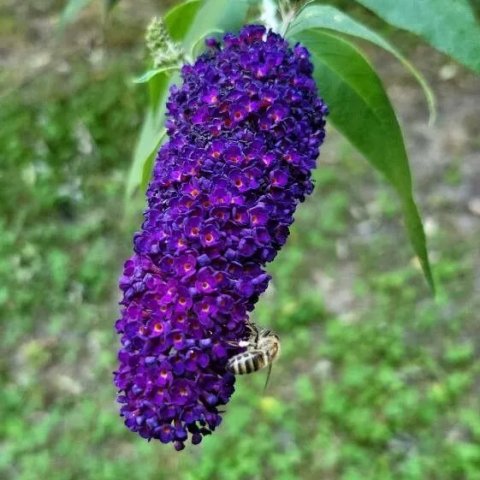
[(197, 45), (71, 11), (361, 110), (148, 165), (184, 21), (448, 25), (149, 139), (158, 88), (330, 18), (179, 18), (147, 76), (224, 15), (152, 130)]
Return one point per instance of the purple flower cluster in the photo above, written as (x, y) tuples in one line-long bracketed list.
[(244, 130)]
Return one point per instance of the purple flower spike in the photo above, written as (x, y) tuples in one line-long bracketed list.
[(245, 129)]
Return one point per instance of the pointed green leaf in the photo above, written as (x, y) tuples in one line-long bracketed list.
[(448, 25), (224, 15), (361, 110), (330, 18), (179, 18)]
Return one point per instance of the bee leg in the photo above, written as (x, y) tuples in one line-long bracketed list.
[(268, 378), (251, 327)]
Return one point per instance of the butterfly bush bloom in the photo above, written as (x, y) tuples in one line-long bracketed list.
[(244, 129)]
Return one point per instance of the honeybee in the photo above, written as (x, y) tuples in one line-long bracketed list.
[(262, 349)]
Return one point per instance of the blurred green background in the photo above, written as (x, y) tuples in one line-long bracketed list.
[(377, 380)]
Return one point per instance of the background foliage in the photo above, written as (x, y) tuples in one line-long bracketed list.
[(377, 379)]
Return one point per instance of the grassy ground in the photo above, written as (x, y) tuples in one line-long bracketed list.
[(377, 380)]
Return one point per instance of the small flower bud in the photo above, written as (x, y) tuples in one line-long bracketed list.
[(164, 51)]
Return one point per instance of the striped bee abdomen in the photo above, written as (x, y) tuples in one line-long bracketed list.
[(248, 362), (263, 347)]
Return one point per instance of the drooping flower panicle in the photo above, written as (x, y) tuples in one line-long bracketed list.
[(245, 129)]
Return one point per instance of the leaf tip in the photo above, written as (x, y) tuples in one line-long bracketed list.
[(429, 278)]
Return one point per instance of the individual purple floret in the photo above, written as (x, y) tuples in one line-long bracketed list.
[(245, 129)]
